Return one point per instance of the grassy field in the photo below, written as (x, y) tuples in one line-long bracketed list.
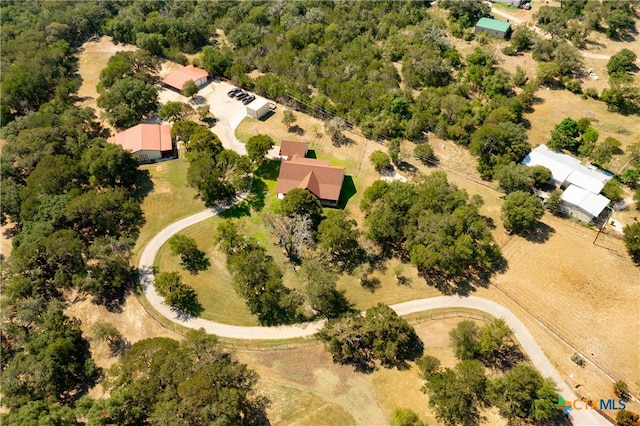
[(169, 199)]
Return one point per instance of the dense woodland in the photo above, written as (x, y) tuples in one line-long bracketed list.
[(73, 199)]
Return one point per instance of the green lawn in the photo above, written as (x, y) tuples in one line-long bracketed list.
[(169, 200)]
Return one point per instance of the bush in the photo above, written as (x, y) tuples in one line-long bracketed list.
[(380, 160), (424, 153), (621, 389), (405, 417), (591, 92), (574, 86), (577, 359), (509, 50)]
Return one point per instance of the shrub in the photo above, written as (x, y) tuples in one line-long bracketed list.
[(576, 358), (380, 160)]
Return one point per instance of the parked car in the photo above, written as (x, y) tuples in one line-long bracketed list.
[(241, 97), (231, 93), (240, 94), (248, 99)]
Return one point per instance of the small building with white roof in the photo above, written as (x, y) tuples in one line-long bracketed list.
[(258, 108)]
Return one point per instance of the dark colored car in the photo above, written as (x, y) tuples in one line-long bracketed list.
[(248, 99), (240, 94), (231, 93)]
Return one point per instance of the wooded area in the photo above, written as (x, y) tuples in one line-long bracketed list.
[(73, 199)]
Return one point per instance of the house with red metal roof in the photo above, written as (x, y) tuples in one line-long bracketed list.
[(148, 142)]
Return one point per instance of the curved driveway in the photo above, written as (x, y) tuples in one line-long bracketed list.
[(528, 343)]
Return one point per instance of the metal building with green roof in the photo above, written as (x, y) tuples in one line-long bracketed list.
[(494, 27)]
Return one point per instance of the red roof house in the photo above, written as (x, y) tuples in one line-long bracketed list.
[(149, 142), (178, 78), (317, 176), (293, 149)]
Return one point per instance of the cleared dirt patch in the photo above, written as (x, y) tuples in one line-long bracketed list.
[(93, 57)]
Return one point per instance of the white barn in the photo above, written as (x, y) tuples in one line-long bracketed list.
[(582, 183), (258, 108)]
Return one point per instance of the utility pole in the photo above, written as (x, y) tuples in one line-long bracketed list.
[(603, 225)]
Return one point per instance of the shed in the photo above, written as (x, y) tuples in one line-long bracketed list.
[(258, 108), (148, 142), (499, 29), (179, 77)]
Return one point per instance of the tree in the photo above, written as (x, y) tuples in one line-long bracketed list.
[(621, 389), (540, 175), (514, 177), (465, 340), (300, 201), (394, 150), (521, 211), (565, 136), (192, 259), (602, 152), (177, 294), (193, 381), (457, 394), (523, 393), (189, 89), (498, 144), (465, 12), (288, 118), (108, 164), (632, 240), (258, 279), (128, 101), (139, 64), (623, 61), (338, 237), (321, 290), (493, 338), (171, 111), (554, 202), (405, 417), (204, 113), (428, 365), (104, 331), (293, 233), (258, 146), (380, 335), (380, 161), (334, 128), (217, 62), (613, 190), (627, 418), (424, 153)]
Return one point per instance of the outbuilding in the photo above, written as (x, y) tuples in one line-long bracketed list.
[(179, 77), (148, 142), (499, 29), (258, 108)]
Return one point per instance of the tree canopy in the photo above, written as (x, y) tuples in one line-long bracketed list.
[(521, 211), (381, 335), (432, 222), (195, 381)]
